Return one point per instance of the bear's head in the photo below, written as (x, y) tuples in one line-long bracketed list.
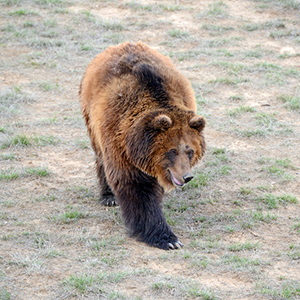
[(166, 144)]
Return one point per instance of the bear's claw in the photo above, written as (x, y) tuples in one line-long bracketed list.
[(176, 245)]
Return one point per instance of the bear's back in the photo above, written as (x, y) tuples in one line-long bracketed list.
[(136, 70)]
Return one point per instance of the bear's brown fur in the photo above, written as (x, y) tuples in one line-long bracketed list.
[(141, 117)]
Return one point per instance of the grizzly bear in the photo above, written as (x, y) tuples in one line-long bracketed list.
[(140, 113)]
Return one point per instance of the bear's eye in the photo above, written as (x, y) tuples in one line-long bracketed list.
[(190, 153), (173, 152), (171, 155)]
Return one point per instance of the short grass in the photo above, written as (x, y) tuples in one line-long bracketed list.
[(238, 218)]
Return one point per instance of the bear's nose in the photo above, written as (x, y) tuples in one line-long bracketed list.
[(187, 177)]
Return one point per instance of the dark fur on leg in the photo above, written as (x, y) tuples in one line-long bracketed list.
[(142, 212), (107, 197)]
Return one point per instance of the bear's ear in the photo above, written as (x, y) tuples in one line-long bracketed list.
[(197, 122), (162, 122)]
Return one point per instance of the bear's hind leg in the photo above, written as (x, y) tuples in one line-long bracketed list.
[(107, 197)]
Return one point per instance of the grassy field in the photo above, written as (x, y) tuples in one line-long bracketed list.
[(239, 219)]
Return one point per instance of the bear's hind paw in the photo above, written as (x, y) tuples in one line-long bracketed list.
[(109, 200)]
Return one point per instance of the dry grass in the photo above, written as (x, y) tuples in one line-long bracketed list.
[(239, 218)]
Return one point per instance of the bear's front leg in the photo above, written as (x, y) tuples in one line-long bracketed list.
[(140, 196)]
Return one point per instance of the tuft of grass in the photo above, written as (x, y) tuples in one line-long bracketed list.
[(80, 282), (7, 156), (38, 172), (216, 28), (15, 174), (176, 33), (243, 246), (4, 294), (236, 98), (50, 3), (18, 140), (218, 151), (45, 140), (22, 12), (71, 215), (250, 27), (195, 292), (199, 180), (292, 102), (217, 9), (264, 217), (296, 227), (271, 201), (11, 99), (239, 262), (245, 191), (112, 25), (227, 80), (25, 141), (251, 133), (241, 110), (48, 86), (9, 175), (289, 290)]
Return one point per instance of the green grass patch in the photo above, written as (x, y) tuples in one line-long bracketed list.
[(94, 284), (216, 29), (264, 217), (227, 81), (45, 140), (16, 174), (23, 140), (38, 172), (288, 290), (81, 283), (250, 27), (243, 246), (7, 156), (4, 294), (199, 180), (176, 33), (48, 86), (195, 291), (244, 191), (22, 12), (241, 110), (251, 133), (51, 3), (297, 227), (292, 102), (69, 216), (11, 99), (217, 9), (9, 175), (240, 262), (272, 202), (18, 140)]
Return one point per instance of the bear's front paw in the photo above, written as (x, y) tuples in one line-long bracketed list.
[(170, 243), (109, 200), (176, 245)]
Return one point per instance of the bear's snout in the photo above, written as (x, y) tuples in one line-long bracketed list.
[(187, 177)]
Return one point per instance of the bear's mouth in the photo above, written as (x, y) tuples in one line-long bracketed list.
[(175, 181)]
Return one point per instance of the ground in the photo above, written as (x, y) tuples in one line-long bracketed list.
[(239, 218)]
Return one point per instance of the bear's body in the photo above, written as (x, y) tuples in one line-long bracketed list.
[(141, 117)]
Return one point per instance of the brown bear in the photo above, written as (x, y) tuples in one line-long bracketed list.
[(141, 118)]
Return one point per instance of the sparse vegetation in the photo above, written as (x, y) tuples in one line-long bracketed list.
[(238, 218)]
